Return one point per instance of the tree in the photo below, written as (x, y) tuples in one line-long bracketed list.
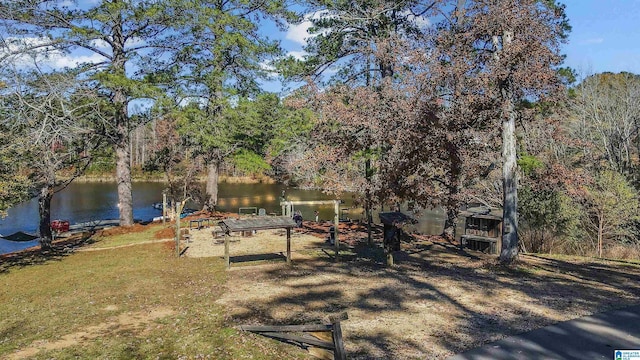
[(607, 110), (119, 34), (362, 44), (517, 42), (14, 184), (55, 123), (353, 39), (613, 207), (220, 54), (171, 154)]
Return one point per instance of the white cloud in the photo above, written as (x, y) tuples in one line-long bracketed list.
[(269, 68), (74, 61), (298, 55), (299, 33), (134, 42), (100, 44), (28, 50), (421, 22), (44, 55)]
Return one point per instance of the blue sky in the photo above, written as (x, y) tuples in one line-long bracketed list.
[(605, 36)]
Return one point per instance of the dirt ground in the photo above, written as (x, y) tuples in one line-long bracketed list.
[(437, 301), (263, 245)]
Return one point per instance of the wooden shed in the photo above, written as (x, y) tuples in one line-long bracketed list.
[(482, 230)]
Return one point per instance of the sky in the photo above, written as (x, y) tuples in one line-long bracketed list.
[(605, 36)]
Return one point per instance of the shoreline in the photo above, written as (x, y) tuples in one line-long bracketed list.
[(263, 179)]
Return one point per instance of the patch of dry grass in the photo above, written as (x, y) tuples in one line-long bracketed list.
[(436, 302), (134, 302), (142, 302)]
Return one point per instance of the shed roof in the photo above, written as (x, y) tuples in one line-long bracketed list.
[(483, 213), (258, 223), (396, 218)]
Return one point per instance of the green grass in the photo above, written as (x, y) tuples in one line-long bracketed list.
[(127, 239), (69, 294)]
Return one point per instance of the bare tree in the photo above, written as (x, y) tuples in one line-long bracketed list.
[(56, 125), (607, 110), (118, 34)]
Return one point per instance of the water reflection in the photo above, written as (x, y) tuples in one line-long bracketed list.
[(90, 201)]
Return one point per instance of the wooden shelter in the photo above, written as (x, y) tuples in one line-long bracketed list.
[(287, 210), (256, 223), (393, 233), (482, 230)]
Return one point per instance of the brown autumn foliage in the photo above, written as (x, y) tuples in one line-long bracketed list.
[(431, 130)]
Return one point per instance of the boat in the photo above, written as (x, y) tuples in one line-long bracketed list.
[(20, 237), (186, 212), (17, 242), (93, 225), (157, 205)]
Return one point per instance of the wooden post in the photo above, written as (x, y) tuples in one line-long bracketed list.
[(339, 352), (336, 220), (288, 246), (226, 250), (178, 229), (164, 207)]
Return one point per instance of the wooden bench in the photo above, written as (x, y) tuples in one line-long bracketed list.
[(483, 244)]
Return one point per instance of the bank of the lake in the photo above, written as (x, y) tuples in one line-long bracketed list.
[(89, 201), (158, 177)]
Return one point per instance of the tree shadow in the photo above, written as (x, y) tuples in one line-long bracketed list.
[(242, 260), (437, 301), (37, 256)]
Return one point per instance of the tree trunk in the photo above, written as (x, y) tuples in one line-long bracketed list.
[(44, 210), (510, 187), (121, 145), (600, 231), (451, 222), (212, 185), (391, 242), (123, 178), (509, 250), (453, 203), (367, 166)]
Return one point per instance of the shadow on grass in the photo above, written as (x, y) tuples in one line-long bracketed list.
[(241, 260), (469, 298), (36, 256)]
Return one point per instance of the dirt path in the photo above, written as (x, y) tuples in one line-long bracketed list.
[(127, 321), (263, 244), (89, 249)]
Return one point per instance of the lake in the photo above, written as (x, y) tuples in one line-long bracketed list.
[(81, 202)]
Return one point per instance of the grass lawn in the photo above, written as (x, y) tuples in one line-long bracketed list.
[(128, 298), (124, 303)]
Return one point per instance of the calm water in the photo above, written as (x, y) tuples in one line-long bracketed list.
[(82, 202)]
